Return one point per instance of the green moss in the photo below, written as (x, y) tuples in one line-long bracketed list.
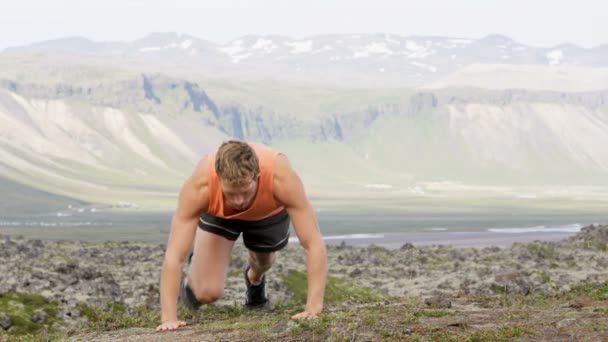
[(493, 335), (595, 291), (337, 291), (20, 307), (376, 321), (377, 250), (422, 259), (235, 274), (317, 326), (498, 335), (116, 316), (544, 277), (542, 250), (603, 311), (214, 311)]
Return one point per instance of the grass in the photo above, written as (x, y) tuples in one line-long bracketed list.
[(337, 291), (20, 307), (356, 313), (116, 316), (544, 251), (594, 291)]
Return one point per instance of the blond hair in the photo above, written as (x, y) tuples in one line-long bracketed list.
[(236, 163)]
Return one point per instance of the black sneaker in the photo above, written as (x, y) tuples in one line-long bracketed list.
[(256, 294), (187, 298)]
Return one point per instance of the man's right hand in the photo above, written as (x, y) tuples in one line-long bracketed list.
[(170, 325)]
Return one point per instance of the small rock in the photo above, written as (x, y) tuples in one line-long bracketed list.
[(59, 327), (74, 313), (281, 327), (292, 324), (439, 302), (39, 316), (445, 285), (355, 273), (5, 322), (407, 246), (457, 324), (579, 303), (565, 322)]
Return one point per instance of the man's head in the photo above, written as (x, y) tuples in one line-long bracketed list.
[(237, 167)]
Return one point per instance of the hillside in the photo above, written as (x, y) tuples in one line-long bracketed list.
[(109, 135)]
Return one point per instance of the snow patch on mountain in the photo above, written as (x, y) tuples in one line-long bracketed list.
[(186, 44), (460, 41), (373, 49), (264, 44), (555, 57), (300, 46), (424, 66), (323, 49), (235, 51), (149, 49), (391, 40)]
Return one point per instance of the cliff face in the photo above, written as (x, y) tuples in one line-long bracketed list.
[(124, 134)]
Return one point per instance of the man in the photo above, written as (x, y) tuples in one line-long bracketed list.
[(242, 188)]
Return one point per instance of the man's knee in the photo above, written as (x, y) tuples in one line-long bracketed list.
[(262, 260), (208, 295)]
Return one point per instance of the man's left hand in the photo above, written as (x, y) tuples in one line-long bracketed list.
[(305, 315)]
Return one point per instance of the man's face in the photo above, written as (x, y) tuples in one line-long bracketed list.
[(239, 197)]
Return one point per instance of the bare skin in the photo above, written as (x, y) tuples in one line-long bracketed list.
[(212, 252)]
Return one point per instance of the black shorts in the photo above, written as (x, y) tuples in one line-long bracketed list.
[(267, 235)]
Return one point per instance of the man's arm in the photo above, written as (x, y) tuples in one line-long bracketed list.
[(289, 191), (193, 198)]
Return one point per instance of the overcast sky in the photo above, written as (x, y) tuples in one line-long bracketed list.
[(542, 23)]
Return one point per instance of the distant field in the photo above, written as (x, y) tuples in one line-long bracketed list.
[(21, 199), (333, 220)]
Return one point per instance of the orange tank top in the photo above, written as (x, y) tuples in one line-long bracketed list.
[(264, 204)]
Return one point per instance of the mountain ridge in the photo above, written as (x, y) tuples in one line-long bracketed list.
[(356, 60)]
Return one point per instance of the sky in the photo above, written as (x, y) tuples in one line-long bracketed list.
[(541, 23)]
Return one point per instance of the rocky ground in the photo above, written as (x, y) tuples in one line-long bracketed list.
[(101, 275)]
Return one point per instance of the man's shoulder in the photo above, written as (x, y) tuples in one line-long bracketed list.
[(201, 166), (282, 170), (199, 180)]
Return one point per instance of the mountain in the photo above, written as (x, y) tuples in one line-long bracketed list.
[(107, 135), (117, 123), (363, 60), (530, 77)]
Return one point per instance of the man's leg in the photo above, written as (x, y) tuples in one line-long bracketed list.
[(259, 263), (255, 281), (263, 240), (210, 261)]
